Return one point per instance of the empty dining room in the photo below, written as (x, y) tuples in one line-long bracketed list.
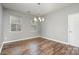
[(39, 28)]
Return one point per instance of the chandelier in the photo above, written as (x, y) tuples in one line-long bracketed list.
[(39, 19)]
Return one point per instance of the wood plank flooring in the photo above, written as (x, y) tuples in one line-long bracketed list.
[(38, 46)]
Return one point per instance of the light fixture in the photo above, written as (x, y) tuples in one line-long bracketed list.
[(35, 19), (39, 19)]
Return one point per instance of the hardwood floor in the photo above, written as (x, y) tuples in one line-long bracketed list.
[(38, 46)]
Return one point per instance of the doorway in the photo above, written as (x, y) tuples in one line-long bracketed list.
[(73, 29)]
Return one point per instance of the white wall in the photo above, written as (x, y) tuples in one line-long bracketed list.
[(54, 27), (1, 34), (56, 24), (27, 29)]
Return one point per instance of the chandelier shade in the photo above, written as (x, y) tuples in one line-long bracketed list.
[(39, 19)]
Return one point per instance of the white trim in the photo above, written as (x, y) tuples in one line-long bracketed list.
[(1, 47), (67, 43), (37, 37), (20, 39), (57, 41)]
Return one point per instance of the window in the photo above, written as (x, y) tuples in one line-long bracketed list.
[(15, 23)]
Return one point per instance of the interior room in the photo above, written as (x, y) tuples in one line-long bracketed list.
[(39, 28)]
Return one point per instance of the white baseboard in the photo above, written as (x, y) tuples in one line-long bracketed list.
[(20, 39), (67, 43), (57, 41), (37, 37), (1, 48), (60, 41), (16, 40)]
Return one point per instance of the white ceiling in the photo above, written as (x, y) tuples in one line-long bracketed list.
[(34, 8)]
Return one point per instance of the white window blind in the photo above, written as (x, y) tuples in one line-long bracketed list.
[(15, 23)]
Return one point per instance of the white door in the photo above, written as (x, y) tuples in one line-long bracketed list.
[(73, 29)]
